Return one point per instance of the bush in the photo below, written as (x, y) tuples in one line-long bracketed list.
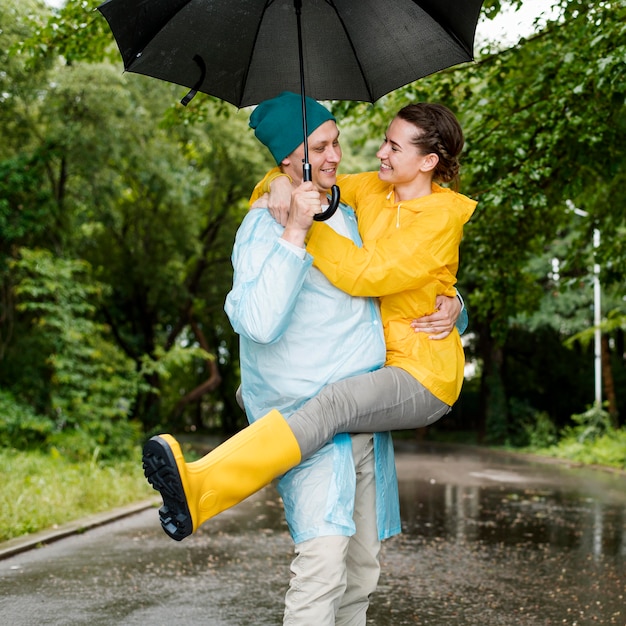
[(20, 427), (23, 429), (90, 383), (593, 423), (104, 441), (608, 450), (592, 440), (540, 431)]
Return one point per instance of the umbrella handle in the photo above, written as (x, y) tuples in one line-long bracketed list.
[(334, 198), (332, 207)]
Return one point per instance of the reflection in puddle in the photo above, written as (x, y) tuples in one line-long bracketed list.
[(503, 514), (491, 540)]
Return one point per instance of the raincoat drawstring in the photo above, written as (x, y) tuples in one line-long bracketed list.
[(397, 209)]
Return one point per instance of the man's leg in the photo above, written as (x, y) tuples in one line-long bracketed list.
[(318, 582), (363, 567)]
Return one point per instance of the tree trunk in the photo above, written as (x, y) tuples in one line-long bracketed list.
[(607, 379), (494, 415), (210, 384)]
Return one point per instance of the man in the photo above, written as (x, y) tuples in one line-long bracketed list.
[(299, 333)]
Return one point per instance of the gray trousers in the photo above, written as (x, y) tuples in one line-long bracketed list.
[(386, 399)]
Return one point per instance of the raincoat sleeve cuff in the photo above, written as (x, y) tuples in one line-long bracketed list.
[(263, 186), (463, 320), (297, 250), (460, 297), (269, 178)]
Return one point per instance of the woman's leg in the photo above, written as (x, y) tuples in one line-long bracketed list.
[(194, 492), (387, 399)]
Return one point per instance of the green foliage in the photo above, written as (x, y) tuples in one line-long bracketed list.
[(24, 200), (543, 375), (589, 426), (529, 149), (615, 320), (166, 362), (592, 440), (74, 31), (92, 384), (20, 427), (607, 450), (106, 440), (104, 168), (497, 413), (540, 431)]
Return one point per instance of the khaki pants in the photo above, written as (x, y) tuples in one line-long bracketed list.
[(333, 577)]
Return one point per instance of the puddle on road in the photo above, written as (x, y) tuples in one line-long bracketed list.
[(484, 547), (507, 514)]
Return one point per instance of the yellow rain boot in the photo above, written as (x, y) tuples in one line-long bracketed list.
[(194, 492)]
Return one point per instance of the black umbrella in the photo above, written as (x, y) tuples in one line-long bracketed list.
[(248, 51)]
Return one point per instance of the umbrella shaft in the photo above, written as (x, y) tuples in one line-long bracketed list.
[(306, 166)]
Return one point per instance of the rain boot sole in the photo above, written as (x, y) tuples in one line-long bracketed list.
[(161, 471)]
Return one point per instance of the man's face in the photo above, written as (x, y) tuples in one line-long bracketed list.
[(324, 156)]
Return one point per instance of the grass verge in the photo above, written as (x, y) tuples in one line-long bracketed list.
[(41, 490), (608, 450)]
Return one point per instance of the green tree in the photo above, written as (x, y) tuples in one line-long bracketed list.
[(103, 167), (86, 382), (547, 127)]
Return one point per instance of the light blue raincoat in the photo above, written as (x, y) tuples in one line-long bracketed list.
[(297, 334)]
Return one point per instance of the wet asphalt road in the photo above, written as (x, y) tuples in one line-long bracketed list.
[(489, 539)]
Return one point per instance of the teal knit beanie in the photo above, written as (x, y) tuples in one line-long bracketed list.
[(277, 122)]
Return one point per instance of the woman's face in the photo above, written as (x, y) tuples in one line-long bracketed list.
[(400, 161)]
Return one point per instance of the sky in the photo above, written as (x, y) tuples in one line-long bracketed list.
[(509, 26)]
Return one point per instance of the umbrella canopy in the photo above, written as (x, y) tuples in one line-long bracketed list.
[(247, 51)]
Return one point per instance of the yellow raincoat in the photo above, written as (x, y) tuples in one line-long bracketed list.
[(410, 255)]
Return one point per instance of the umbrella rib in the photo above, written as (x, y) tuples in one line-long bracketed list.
[(443, 23), (356, 56), (252, 47)]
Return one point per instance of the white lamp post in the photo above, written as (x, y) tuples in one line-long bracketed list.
[(597, 308)]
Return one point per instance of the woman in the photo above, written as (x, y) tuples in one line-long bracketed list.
[(411, 229)]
